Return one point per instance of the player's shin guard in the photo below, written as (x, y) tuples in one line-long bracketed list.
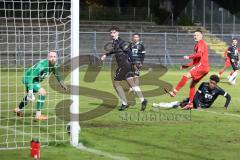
[(121, 94), (40, 102), (181, 83), (137, 90), (23, 103)]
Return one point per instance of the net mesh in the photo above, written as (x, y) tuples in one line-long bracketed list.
[(28, 30)]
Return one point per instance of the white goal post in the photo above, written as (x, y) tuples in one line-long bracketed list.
[(75, 127), (29, 29)]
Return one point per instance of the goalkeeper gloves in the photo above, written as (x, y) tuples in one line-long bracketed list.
[(30, 96), (63, 85)]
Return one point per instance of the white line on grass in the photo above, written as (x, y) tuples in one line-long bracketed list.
[(13, 130), (80, 146), (221, 113), (98, 152), (21, 132), (17, 132)]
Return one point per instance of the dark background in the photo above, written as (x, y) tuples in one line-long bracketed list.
[(232, 5)]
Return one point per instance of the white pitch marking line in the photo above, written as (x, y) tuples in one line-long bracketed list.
[(19, 132), (221, 113), (98, 152), (79, 146)]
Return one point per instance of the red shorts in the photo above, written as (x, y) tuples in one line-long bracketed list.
[(227, 63), (198, 72)]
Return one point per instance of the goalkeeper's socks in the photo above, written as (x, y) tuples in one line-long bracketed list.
[(181, 83), (40, 102), (38, 113), (23, 103)]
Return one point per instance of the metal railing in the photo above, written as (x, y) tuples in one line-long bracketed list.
[(211, 15), (165, 48), (206, 13)]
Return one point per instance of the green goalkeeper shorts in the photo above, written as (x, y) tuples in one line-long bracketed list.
[(36, 87)]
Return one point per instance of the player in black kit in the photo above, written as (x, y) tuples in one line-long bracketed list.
[(205, 96), (123, 55), (207, 93), (232, 53), (138, 54)]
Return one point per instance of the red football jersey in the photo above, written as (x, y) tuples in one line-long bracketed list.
[(226, 54), (200, 55)]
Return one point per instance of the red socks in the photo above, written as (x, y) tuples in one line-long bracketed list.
[(181, 83), (191, 94), (221, 72), (192, 87)]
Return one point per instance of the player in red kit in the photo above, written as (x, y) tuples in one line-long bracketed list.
[(226, 65), (227, 59), (200, 69)]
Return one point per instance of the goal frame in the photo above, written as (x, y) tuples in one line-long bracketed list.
[(74, 109)]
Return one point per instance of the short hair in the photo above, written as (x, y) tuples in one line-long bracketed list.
[(114, 28), (198, 30), (234, 39), (214, 78), (52, 51), (136, 34)]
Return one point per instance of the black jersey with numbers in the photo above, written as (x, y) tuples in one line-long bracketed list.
[(234, 58), (233, 53), (206, 96), (138, 52)]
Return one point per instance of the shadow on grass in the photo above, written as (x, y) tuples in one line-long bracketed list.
[(155, 146)]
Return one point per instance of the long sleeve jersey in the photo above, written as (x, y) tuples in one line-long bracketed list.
[(40, 71)]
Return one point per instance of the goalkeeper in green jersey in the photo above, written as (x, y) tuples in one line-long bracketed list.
[(32, 79)]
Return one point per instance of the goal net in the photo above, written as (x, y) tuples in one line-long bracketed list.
[(29, 30)]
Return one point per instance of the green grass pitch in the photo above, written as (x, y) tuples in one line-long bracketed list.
[(211, 134)]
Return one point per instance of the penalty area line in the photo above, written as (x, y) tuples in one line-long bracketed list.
[(99, 152)]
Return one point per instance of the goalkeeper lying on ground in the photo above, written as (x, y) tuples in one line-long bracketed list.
[(32, 79), (205, 96)]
